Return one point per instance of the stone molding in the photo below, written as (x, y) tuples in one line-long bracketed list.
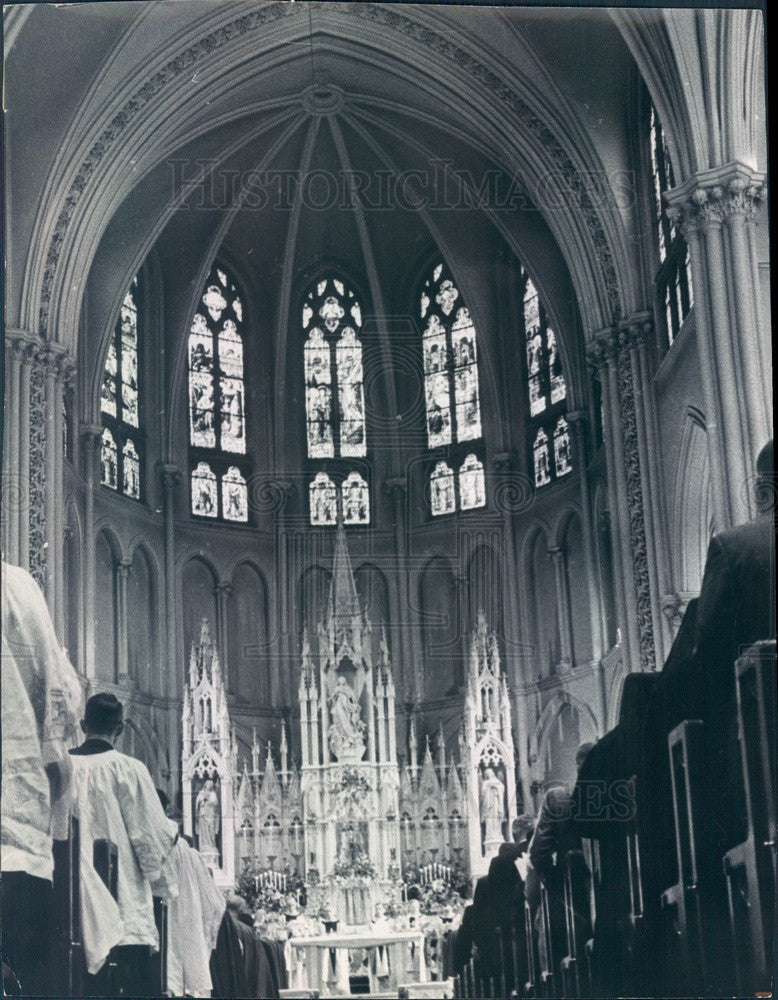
[(710, 198)]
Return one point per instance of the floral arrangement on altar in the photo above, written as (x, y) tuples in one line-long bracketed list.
[(266, 897), (356, 869), (437, 895)]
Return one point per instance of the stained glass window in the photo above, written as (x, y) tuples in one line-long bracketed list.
[(472, 492), (234, 496), (120, 399), (323, 500), (450, 361), (355, 499), (204, 494), (540, 453), (674, 280), (546, 390), (109, 460), (130, 471), (442, 496), (217, 416), (334, 391)]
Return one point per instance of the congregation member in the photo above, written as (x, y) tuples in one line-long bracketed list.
[(115, 800), (41, 703), (510, 881), (477, 936), (555, 842), (736, 609)]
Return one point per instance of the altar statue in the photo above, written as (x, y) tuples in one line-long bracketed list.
[(347, 728), (492, 805), (207, 819)]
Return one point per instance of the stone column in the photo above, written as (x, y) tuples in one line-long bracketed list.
[(23, 430), (577, 420), (223, 594), (603, 353), (715, 210), (511, 494), (281, 673), (123, 625), (11, 495), (90, 436), (632, 339), (563, 608), (171, 477), (407, 623)]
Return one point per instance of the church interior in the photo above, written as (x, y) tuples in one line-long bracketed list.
[(376, 379)]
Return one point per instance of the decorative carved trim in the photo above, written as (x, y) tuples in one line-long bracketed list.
[(628, 337), (182, 63), (37, 490), (563, 167), (711, 198)]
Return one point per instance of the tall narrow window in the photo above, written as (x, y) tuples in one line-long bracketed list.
[(450, 363), (120, 400), (217, 402), (331, 321), (216, 391), (334, 392), (673, 279), (453, 406), (548, 434)]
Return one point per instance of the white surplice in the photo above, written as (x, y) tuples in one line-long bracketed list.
[(193, 925), (114, 798), (41, 705)]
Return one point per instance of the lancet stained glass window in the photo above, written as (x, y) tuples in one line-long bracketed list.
[(323, 500), (466, 489), (674, 279), (120, 400), (217, 417), (355, 499), (450, 362), (333, 371), (217, 407), (548, 432)]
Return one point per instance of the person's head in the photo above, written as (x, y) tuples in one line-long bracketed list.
[(103, 717), (765, 480), (582, 753), (522, 827)]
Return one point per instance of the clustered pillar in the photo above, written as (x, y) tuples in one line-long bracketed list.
[(717, 212)]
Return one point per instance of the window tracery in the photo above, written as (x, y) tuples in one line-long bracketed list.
[(122, 446), (217, 401), (333, 373), (548, 432), (673, 280)]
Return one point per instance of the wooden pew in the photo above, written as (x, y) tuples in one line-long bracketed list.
[(69, 952), (750, 867)]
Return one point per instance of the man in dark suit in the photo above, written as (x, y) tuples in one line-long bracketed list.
[(736, 609)]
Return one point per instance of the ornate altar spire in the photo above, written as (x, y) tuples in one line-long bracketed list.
[(344, 606)]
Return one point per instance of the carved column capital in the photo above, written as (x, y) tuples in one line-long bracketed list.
[(635, 330), (711, 197), (602, 349), (556, 554), (170, 475), (504, 461), (91, 434)]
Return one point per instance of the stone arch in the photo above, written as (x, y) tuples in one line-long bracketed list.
[(542, 617), (692, 515), (107, 556), (577, 584), (199, 581), (250, 674), (144, 663), (440, 629), (565, 723)]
